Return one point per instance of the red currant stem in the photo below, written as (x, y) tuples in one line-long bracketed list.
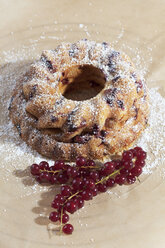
[(107, 177), (138, 179), (54, 172)]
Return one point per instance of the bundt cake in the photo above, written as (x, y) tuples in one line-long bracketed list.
[(83, 98)]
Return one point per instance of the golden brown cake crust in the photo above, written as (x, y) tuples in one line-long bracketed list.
[(50, 115)]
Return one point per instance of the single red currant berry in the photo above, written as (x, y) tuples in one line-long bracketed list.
[(136, 171), (60, 198), (45, 176), (110, 182), (141, 155), (72, 172), (108, 168), (54, 216), (131, 179), (124, 171), (44, 165), (66, 190), (127, 156), (140, 163), (84, 172), (80, 161), (94, 191), (67, 229), (94, 175), (120, 179), (35, 169), (133, 152), (137, 149), (90, 184), (65, 218), (80, 202), (56, 204), (128, 165), (59, 165), (102, 187), (118, 164), (87, 195), (90, 163), (77, 183), (53, 179), (71, 206), (63, 177)]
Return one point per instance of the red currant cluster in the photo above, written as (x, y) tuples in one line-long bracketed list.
[(85, 180)]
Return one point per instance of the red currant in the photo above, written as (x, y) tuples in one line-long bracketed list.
[(80, 161), (131, 179), (72, 172), (87, 195), (44, 165), (77, 183), (90, 184), (59, 165), (137, 149), (56, 204), (120, 179), (94, 191), (35, 169), (66, 190), (109, 167), (136, 171), (67, 229), (45, 176), (141, 155), (71, 206), (65, 218), (54, 216), (117, 163), (63, 177), (94, 175), (110, 182), (80, 202), (124, 171), (128, 165), (53, 179), (102, 187), (127, 155), (140, 163), (90, 163), (60, 198)]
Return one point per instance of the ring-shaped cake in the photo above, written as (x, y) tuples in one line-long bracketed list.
[(81, 99)]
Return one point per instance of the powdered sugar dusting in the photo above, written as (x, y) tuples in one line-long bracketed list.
[(153, 138)]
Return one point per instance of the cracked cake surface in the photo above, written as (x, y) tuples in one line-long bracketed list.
[(81, 98)]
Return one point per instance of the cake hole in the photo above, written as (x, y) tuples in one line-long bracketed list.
[(82, 82)]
